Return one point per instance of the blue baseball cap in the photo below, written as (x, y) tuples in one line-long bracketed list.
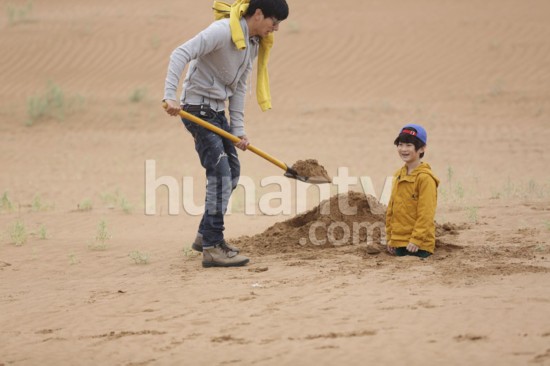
[(418, 131)]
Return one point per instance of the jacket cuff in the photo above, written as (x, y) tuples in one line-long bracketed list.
[(238, 131)]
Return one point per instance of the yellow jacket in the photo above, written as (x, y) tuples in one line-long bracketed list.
[(234, 12), (411, 210)]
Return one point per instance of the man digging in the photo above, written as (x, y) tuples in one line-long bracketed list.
[(220, 59)]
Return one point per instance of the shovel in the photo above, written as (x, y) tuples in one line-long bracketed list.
[(289, 172)]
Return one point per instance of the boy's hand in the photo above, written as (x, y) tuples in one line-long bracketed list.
[(412, 248), (390, 249)]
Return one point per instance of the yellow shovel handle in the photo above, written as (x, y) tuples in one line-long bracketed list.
[(230, 137)]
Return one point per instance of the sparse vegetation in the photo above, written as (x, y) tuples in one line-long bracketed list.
[(18, 234), (85, 205), (293, 27), (125, 206), (73, 260), (37, 205), (102, 236), (139, 257), (472, 214), (459, 191), (42, 232), (495, 195), (115, 199), (18, 14), (529, 190), (455, 190), (137, 95), (5, 203), (111, 199), (52, 103), (188, 252), (547, 224)]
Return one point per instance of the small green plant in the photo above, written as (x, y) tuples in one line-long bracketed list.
[(510, 188), (450, 174), (18, 14), (293, 27), (125, 206), (188, 252), (51, 104), (541, 248), (115, 199), (547, 224), (5, 203), (459, 191), (37, 204), (139, 257), (111, 199), (137, 95), (85, 205), (72, 259), (42, 232), (101, 238), (472, 214), (495, 195), (18, 234)]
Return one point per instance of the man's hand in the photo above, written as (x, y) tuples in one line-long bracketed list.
[(412, 248), (173, 107), (243, 144), (390, 249)]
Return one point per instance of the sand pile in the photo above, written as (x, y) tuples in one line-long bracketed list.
[(312, 169), (344, 219)]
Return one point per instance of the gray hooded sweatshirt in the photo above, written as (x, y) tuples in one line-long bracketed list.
[(217, 71)]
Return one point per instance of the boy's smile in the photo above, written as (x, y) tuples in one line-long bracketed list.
[(408, 154)]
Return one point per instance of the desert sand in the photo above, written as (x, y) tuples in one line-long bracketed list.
[(87, 277)]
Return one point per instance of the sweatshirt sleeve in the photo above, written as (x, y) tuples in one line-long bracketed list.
[(427, 202), (203, 43), (236, 105)]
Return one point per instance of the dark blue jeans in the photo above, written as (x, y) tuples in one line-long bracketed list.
[(219, 158)]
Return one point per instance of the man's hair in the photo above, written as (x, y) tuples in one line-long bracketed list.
[(406, 138), (277, 9)]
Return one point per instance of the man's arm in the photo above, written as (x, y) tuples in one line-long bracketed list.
[(203, 43), (236, 105)]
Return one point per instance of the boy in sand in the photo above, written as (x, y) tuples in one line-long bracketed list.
[(410, 226), (220, 59)]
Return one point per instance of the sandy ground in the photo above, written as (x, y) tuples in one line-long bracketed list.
[(87, 278)]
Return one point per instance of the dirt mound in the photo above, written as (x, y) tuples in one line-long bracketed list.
[(312, 169), (344, 219), (351, 218)]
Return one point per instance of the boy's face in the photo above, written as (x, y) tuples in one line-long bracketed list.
[(407, 152)]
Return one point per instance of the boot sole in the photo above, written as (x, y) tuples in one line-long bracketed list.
[(216, 264)]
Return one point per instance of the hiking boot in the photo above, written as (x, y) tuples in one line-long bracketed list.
[(221, 256), (197, 245)]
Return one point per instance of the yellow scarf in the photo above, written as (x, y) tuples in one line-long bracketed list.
[(234, 13)]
